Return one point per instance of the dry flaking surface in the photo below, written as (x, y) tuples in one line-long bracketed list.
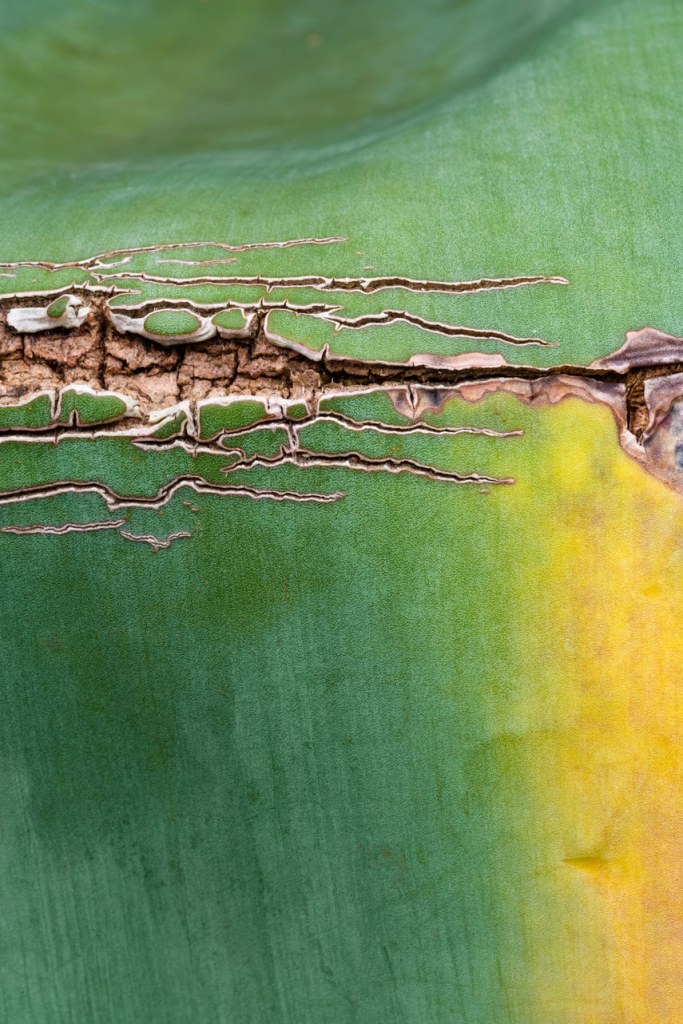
[(102, 332)]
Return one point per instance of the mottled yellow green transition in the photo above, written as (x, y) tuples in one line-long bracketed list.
[(599, 718)]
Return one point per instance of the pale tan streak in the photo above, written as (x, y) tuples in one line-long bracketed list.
[(393, 316), (215, 445), (74, 288), (366, 285), (358, 425), (155, 542), (113, 524), (303, 459), (400, 428), (163, 495), (295, 455), (325, 312), (200, 263), (260, 305), (93, 261)]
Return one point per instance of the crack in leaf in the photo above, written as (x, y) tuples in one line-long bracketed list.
[(167, 359)]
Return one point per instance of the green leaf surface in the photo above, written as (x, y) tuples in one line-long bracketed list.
[(363, 706)]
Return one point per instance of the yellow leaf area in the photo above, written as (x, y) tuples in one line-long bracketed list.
[(597, 721)]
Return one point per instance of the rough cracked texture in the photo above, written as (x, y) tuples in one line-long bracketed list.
[(350, 695)]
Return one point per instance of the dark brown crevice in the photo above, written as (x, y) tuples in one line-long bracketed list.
[(99, 333), (158, 375), (101, 342), (637, 407), (364, 285), (639, 383)]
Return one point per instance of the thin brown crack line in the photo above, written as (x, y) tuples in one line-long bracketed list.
[(75, 288), (200, 263), (165, 493), (338, 419), (341, 371), (392, 316), (303, 458), (155, 542), (364, 285), (110, 524), (211, 444), (113, 254), (46, 529), (260, 309), (255, 316)]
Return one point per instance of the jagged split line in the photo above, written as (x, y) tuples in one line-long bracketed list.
[(155, 542), (165, 493), (338, 419), (98, 261), (46, 529), (59, 531), (365, 285), (108, 276), (392, 316), (104, 270)]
